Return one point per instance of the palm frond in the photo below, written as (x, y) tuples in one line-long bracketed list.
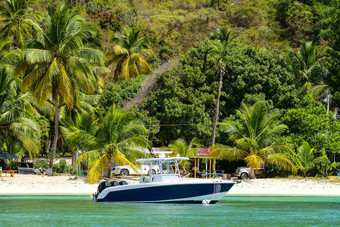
[(282, 160), (227, 152), (97, 168)]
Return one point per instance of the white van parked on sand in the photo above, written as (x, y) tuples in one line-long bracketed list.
[(127, 170)]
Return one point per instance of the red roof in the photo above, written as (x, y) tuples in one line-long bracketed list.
[(203, 152)]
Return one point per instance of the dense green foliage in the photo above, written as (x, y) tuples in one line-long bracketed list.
[(188, 93), (52, 66), (115, 93), (310, 122)]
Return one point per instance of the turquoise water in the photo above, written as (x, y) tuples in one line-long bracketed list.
[(231, 211)]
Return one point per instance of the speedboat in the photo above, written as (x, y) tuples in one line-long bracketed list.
[(167, 186)]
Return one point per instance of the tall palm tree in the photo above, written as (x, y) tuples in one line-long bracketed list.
[(59, 64), (307, 63), (184, 150), (16, 127), (118, 137), (15, 18), (254, 138), (224, 37), (219, 53), (128, 54)]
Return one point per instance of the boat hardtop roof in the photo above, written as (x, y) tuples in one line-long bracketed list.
[(161, 160)]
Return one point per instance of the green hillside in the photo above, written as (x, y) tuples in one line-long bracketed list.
[(68, 67)]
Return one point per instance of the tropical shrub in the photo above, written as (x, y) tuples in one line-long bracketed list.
[(62, 167), (40, 164)]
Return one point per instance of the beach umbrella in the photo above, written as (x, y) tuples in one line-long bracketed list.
[(8, 156)]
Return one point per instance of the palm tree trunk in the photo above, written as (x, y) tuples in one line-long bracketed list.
[(221, 72), (109, 168), (48, 140), (252, 174), (56, 127)]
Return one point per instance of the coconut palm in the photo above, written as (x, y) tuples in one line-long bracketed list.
[(128, 54), (307, 63), (219, 53), (15, 19), (118, 137), (254, 138), (16, 127), (180, 147), (59, 64), (224, 37)]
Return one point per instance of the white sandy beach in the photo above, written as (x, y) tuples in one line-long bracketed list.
[(40, 185), (289, 187)]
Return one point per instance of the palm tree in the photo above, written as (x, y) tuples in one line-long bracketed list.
[(219, 53), (304, 159), (307, 63), (184, 150), (119, 137), (15, 16), (128, 54), (254, 136), (19, 129), (16, 127), (223, 35), (59, 64)]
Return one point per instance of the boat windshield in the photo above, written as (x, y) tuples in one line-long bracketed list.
[(168, 169), (166, 165)]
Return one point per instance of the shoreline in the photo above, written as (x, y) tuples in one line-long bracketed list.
[(227, 195), (68, 185)]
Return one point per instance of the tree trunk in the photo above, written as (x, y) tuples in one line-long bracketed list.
[(56, 127), (48, 141), (221, 72), (109, 169), (252, 174)]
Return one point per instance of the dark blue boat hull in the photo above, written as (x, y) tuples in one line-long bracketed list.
[(180, 193)]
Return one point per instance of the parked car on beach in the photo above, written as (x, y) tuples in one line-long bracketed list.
[(244, 172), (127, 170)]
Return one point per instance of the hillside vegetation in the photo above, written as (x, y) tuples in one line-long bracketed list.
[(71, 69)]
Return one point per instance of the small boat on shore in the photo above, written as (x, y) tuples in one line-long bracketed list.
[(164, 187)]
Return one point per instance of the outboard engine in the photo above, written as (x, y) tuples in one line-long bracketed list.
[(102, 186), (114, 183), (123, 183)]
